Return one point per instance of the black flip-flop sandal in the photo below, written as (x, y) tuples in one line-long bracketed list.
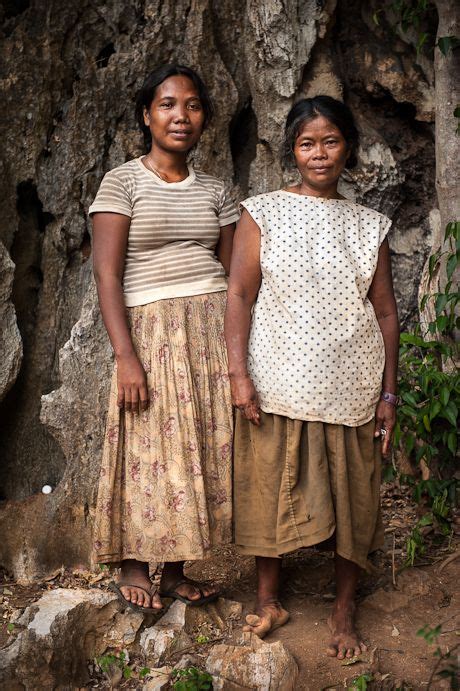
[(115, 587), (173, 594)]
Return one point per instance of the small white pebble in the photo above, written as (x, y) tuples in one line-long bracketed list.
[(47, 489)]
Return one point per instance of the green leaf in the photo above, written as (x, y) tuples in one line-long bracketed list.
[(444, 395), (427, 519), (452, 442), (450, 413), (407, 410), (410, 398), (447, 43), (360, 683), (441, 302), (452, 263), (423, 302), (420, 453), (426, 423), (429, 634), (425, 382), (411, 339), (442, 322), (388, 473), (451, 228), (432, 263), (410, 443), (435, 408)]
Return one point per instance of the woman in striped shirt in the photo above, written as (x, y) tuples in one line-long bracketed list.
[(162, 240)]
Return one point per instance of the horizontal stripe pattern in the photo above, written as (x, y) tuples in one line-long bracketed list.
[(173, 232)]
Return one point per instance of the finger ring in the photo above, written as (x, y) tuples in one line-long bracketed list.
[(383, 432)]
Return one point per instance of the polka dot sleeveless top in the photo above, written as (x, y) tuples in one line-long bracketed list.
[(315, 349)]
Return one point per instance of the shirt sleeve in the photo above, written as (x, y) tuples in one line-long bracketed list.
[(255, 210), (226, 212), (385, 225), (112, 196)]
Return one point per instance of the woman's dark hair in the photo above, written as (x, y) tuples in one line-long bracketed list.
[(308, 109), (146, 94)]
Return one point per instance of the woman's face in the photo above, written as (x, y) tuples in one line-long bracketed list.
[(175, 117), (320, 152)]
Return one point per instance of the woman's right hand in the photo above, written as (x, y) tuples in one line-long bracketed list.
[(245, 398), (133, 393)]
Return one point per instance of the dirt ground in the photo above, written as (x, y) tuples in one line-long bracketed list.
[(393, 604)]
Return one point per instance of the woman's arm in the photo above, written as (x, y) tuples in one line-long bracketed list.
[(225, 245), (243, 286), (383, 300), (110, 238)]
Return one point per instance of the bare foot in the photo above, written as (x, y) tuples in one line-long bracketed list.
[(268, 617), (135, 573), (345, 642)]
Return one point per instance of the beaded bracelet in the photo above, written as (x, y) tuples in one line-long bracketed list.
[(389, 398)]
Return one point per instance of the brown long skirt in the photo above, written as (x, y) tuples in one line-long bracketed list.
[(165, 489), (298, 483)]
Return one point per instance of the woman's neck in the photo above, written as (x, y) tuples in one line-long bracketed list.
[(169, 166), (329, 192)]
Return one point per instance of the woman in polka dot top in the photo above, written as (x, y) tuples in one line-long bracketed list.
[(312, 336)]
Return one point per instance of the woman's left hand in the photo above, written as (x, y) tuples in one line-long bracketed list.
[(385, 420)]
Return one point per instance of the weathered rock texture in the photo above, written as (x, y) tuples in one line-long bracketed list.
[(253, 665), (60, 633), (70, 73), (179, 626), (10, 339)]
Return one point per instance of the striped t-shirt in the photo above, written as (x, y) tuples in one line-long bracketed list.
[(174, 231)]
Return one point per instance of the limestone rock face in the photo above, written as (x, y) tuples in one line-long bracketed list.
[(166, 635), (71, 72), (254, 665), (59, 525), (61, 632), (178, 628), (85, 364), (279, 38), (10, 339), (159, 679)]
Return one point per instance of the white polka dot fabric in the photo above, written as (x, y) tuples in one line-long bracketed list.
[(315, 349)]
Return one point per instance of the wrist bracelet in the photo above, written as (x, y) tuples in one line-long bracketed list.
[(389, 398)]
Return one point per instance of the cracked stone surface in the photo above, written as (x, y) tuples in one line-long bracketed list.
[(10, 339), (60, 633), (254, 664)]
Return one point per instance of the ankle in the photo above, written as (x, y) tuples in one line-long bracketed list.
[(344, 606), (133, 566), (267, 599), (173, 571)]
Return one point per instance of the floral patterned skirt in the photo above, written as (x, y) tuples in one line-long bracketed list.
[(165, 485)]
